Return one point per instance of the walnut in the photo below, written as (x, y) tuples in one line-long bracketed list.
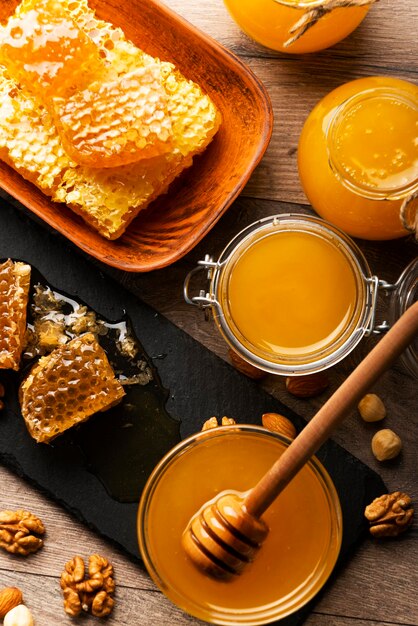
[(18, 530), (91, 594), (390, 515), (212, 422)]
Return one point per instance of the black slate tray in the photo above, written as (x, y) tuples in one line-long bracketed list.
[(198, 385)]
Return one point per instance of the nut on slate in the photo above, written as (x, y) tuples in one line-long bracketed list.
[(245, 368), (390, 514), (279, 424), (19, 530), (19, 616), (386, 445), (212, 422), (88, 594), (9, 598), (307, 386), (371, 408)]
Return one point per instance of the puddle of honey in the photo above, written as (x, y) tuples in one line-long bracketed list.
[(120, 446)]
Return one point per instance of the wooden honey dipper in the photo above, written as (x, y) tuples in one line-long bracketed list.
[(226, 533)]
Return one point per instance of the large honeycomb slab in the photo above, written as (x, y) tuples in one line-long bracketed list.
[(66, 387), (14, 296), (106, 198), (116, 122)]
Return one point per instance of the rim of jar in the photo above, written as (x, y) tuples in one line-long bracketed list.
[(331, 132), (402, 297), (271, 612), (319, 359)]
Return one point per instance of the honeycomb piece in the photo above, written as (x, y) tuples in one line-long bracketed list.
[(66, 387), (107, 199), (14, 295), (45, 51), (116, 122), (29, 141)]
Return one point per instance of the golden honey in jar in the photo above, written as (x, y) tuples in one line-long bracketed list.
[(297, 556), (358, 156), (291, 294), (269, 22)]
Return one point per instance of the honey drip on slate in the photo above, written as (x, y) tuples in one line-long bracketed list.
[(120, 446)]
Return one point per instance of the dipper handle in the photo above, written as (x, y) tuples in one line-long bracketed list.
[(318, 430)]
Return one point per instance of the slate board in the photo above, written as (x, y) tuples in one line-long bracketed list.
[(199, 385)]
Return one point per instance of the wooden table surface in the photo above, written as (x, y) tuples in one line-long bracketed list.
[(379, 584)]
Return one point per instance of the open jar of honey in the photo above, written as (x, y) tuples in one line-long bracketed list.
[(270, 23), (295, 560), (358, 156), (291, 294)]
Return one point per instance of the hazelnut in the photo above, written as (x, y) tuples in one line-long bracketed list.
[(371, 408), (386, 445), (279, 424)]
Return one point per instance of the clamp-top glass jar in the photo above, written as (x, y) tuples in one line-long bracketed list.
[(358, 156), (291, 294), (403, 295)]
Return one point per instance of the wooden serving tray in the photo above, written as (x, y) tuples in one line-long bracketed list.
[(198, 385), (175, 222)]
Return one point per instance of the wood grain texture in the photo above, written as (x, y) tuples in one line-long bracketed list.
[(377, 587), (384, 44)]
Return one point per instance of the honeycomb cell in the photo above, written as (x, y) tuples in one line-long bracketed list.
[(14, 296), (116, 122), (44, 50), (50, 408), (108, 199)]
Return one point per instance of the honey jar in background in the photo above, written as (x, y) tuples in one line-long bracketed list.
[(358, 156), (295, 560), (403, 294), (269, 23)]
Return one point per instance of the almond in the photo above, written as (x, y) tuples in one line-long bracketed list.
[(279, 424), (245, 368), (307, 386), (9, 598)]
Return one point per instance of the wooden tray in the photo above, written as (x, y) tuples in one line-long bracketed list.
[(175, 222)]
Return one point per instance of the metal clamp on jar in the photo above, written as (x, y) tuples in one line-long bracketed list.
[(291, 294)]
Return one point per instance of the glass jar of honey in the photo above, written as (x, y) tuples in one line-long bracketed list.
[(269, 22), (305, 527), (291, 294), (358, 156), (403, 295)]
